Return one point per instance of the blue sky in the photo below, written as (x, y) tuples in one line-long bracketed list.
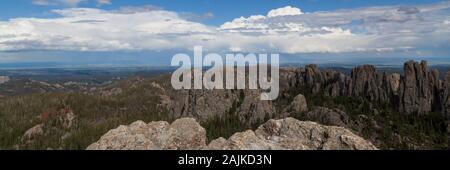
[(151, 31), (223, 10)]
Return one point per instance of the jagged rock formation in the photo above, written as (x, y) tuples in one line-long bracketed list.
[(187, 134), (446, 94), (205, 104), (418, 90), (299, 104)]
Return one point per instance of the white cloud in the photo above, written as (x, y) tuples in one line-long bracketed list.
[(104, 2), (70, 3), (284, 30), (88, 29), (285, 11), (376, 29)]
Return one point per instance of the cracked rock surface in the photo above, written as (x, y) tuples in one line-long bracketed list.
[(187, 134)]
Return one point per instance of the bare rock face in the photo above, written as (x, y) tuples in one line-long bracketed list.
[(182, 134), (446, 95), (205, 104), (328, 116), (202, 104), (418, 90), (187, 134), (247, 140), (313, 78), (299, 104), (368, 83), (394, 82), (292, 134), (364, 80)]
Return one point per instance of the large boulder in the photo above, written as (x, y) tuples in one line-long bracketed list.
[(182, 134), (292, 134)]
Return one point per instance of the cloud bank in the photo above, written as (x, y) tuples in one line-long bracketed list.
[(283, 30)]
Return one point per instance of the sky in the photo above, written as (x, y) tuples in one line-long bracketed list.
[(115, 32)]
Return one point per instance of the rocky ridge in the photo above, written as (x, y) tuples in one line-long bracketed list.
[(205, 104), (187, 134), (418, 90)]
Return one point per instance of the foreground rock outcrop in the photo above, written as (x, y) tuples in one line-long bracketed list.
[(187, 134), (183, 134)]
